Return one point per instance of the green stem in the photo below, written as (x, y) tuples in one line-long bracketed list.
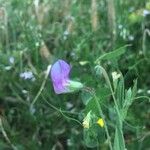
[(41, 88), (5, 135), (119, 119), (139, 97), (102, 115), (146, 32), (62, 111)]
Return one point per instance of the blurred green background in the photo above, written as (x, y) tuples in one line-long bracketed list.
[(35, 33)]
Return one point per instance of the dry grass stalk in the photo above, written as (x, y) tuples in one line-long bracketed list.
[(67, 4), (70, 19), (44, 51), (2, 13), (70, 25), (94, 15), (112, 19), (41, 9)]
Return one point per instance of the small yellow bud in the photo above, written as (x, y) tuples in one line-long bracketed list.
[(85, 124), (100, 122), (115, 75), (86, 120)]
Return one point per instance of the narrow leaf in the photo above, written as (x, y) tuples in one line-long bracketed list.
[(113, 54)]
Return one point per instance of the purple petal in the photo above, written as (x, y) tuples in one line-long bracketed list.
[(60, 75), (60, 88)]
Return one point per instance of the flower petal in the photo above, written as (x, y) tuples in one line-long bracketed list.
[(60, 88), (60, 70), (60, 75)]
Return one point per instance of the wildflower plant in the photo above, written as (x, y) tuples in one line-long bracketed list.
[(88, 100), (95, 122)]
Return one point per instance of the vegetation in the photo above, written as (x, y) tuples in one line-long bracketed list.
[(107, 45)]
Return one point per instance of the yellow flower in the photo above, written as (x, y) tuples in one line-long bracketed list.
[(100, 122)]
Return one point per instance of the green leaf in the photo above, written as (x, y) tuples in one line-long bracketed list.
[(130, 94), (118, 141), (98, 71), (94, 136), (120, 92), (128, 98), (103, 93), (90, 138), (92, 106), (127, 103), (113, 54), (86, 97)]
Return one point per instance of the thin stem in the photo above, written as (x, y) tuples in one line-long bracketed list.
[(61, 111), (57, 109), (145, 136), (146, 32), (5, 135), (70, 118), (112, 92), (111, 89), (102, 115), (41, 88), (115, 102), (139, 97)]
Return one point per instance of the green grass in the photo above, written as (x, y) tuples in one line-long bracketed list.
[(33, 36)]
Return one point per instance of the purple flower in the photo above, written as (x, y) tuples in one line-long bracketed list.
[(60, 77)]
